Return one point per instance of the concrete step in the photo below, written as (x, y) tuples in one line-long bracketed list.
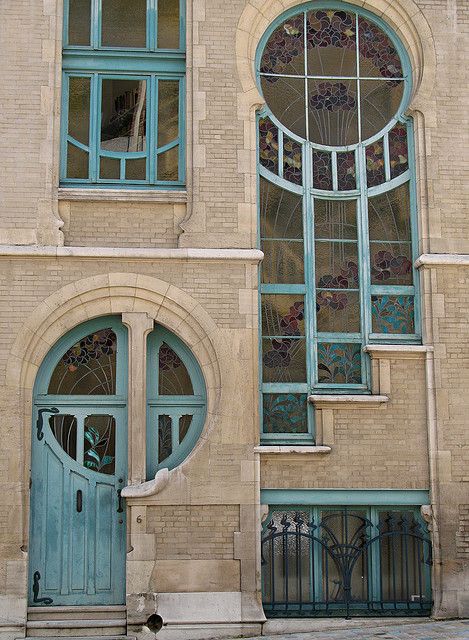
[(49, 637), (115, 612), (76, 628)]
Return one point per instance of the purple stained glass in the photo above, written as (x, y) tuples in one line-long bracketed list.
[(398, 153), (338, 312), (284, 51), (332, 96), (392, 314), (292, 165), (268, 144), (333, 111), (391, 263), (284, 360), (285, 413), (331, 43), (378, 56), (283, 315), (322, 170), (346, 172), (339, 363), (375, 164)]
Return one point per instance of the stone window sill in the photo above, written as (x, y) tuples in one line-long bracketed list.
[(292, 449), (347, 401), (123, 195), (400, 351)]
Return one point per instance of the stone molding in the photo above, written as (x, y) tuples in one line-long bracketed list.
[(286, 449), (93, 253), (347, 401), (398, 351), (428, 260), (150, 488), (122, 195)]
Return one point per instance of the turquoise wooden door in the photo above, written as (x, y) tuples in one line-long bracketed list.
[(79, 467)]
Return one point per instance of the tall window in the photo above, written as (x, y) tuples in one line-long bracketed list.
[(123, 93), (337, 207)]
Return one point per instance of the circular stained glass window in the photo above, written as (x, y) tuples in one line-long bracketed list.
[(331, 76)]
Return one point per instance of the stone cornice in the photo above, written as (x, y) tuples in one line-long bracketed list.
[(151, 254), (442, 260), (122, 195)]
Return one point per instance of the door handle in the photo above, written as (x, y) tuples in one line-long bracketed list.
[(79, 500), (120, 508)]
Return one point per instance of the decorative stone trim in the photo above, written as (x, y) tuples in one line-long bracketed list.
[(292, 449), (400, 351), (150, 488), (442, 260), (347, 401), (122, 195), (93, 253)]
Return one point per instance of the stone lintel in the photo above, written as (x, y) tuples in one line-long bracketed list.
[(442, 260), (346, 401), (123, 195), (292, 448)]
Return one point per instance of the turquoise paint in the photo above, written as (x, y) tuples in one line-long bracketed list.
[(79, 555), (345, 497)]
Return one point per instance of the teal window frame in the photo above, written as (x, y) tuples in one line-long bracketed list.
[(361, 195), (100, 63)]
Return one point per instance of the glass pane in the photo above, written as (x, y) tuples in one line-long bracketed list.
[(123, 115), (64, 429), (87, 368), (378, 56), (336, 265), (285, 413), (184, 424), (322, 170), (100, 443), (286, 99), (338, 312), (380, 101), (331, 48), (389, 215), (124, 23), (168, 24), (392, 314), (284, 51), (283, 315), (375, 164), (79, 22), (283, 262), (398, 154), (165, 446), (335, 219), (109, 168), (391, 263), (333, 112), (168, 165), (284, 360), (339, 363), (77, 162), (173, 378), (79, 109), (346, 172), (136, 169), (168, 111), (292, 161), (281, 212), (268, 144)]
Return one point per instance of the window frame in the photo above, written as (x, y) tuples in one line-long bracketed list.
[(103, 62), (361, 194)]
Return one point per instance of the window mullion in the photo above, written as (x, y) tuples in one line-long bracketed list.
[(374, 573), (96, 15), (95, 125), (310, 296), (363, 248), (152, 131)]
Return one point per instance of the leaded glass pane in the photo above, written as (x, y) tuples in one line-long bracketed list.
[(184, 424), (88, 367), (168, 24), (378, 56), (292, 166), (392, 314), (79, 109), (284, 360), (346, 171), (283, 262), (338, 311), (336, 265), (168, 111), (391, 263), (136, 169), (339, 363), (124, 23), (389, 215), (283, 315), (99, 450), (268, 144), (335, 219), (398, 153), (331, 49), (284, 51), (322, 170), (286, 99), (165, 446), (64, 430), (281, 212), (123, 115), (380, 101), (109, 168), (285, 413), (173, 379), (77, 162), (374, 155), (332, 112), (79, 22), (168, 165)]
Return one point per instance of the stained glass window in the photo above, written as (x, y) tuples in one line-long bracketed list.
[(336, 208)]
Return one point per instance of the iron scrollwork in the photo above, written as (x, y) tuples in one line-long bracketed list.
[(36, 599), (40, 421)]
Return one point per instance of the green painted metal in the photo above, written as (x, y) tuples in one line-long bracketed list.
[(345, 497)]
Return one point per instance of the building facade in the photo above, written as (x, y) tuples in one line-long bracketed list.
[(234, 256)]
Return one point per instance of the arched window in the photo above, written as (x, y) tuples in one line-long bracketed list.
[(337, 206)]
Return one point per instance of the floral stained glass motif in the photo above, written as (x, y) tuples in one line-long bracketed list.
[(391, 266), (331, 43), (338, 311), (292, 169), (283, 358), (64, 429), (322, 170), (392, 314), (284, 50), (333, 111), (285, 413), (283, 315), (398, 154), (100, 443), (346, 172), (375, 164), (88, 367), (173, 378), (378, 56), (268, 144), (339, 363)]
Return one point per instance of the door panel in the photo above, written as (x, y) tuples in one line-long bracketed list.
[(77, 541)]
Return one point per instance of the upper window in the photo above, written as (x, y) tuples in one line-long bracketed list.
[(123, 93), (337, 207)]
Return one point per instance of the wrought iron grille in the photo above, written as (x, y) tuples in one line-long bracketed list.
[(346, 562)]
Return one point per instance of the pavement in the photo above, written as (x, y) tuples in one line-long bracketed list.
[(421, 630)]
